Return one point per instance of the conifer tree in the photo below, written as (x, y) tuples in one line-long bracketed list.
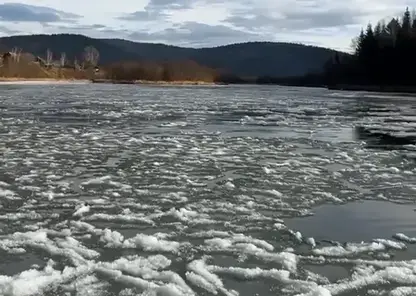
[(406, 22), (378, 30), (359, 45)]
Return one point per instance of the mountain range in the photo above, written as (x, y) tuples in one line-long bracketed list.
[(245, 59)]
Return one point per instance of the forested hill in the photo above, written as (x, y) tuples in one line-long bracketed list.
[(245, 59)]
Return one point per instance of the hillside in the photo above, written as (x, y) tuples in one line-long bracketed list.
[(245, 59)]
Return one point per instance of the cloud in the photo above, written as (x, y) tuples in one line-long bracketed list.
[(196, 34), (170, 4), (93, 30), (311, 16), (157, 9), (323, 18), (189, 34), (4, 30), (143, 15), (203, 22), (18, 12)]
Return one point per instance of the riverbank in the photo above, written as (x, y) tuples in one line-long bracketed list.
[(19, 80), (150, 82)]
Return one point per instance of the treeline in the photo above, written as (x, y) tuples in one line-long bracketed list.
[(159, 71), (19, 64), (25, 65), (384, 55)]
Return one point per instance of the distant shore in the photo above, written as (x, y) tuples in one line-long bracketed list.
[(151, 82), (19, 80)]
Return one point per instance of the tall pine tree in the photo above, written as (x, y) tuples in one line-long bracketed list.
[(359, 44), (406, 22), (378, 30)]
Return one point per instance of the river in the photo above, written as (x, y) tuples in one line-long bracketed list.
[(208, 190)]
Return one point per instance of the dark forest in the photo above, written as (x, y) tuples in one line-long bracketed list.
[(384, 54)]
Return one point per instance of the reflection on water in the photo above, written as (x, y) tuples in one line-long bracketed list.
[(385, 139), (389, 122)]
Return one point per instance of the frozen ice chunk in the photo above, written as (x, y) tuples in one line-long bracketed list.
[(318, 291), (152, 243), (391, 244), (35, 282), (81, 210), (201, 282), (403, 291), (8, 194), (311, 241), (229, 185), (253, 273), (350, 249), (202, 277), (112, 239), (404, 238)]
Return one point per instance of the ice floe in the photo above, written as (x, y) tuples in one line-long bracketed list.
[(110, 190)]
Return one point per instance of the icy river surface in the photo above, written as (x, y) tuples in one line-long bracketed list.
[(218, 190)]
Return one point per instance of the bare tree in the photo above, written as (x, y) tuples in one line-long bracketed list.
[(63, 59), (49, 57), (16, 53), (76, 64), (13, 53), (91, 56), (19, 54)]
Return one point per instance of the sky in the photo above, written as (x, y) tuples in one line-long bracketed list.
[(201, 23)]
